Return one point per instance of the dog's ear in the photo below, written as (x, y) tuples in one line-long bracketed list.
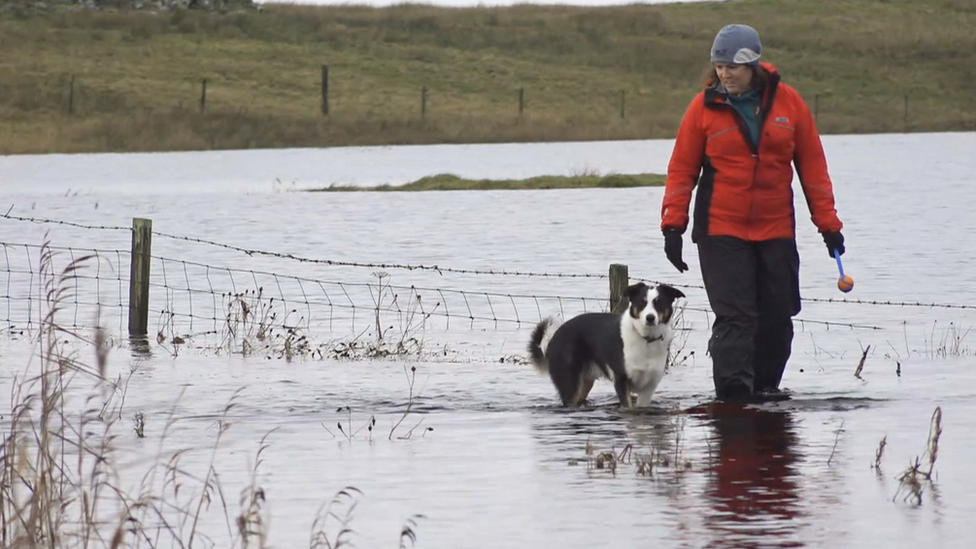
[(635, 290), (669, 291)]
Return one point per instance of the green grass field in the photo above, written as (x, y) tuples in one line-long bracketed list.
[(448, 182), (138, 75)]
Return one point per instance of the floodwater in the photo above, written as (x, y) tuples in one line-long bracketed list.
[(491, 459)]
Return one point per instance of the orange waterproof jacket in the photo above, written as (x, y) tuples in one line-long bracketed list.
[(743, 191)]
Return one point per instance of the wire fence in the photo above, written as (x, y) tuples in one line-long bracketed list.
[(75, 95), (100, 288), (194, 298), (191, 298)]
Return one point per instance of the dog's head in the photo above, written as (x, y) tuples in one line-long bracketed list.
[(652, 306)]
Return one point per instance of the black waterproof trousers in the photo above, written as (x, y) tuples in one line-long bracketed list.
[(754, 291)]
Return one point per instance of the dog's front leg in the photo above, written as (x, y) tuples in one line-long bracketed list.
[(645, 393), (644, 398), (622, 385)]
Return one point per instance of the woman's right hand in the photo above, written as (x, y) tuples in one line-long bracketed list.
[(672, 248)]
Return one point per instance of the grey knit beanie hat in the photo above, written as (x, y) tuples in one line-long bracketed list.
[(738, 45)]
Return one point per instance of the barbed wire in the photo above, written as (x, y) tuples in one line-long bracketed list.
[(842, 301), (310, 292), (40, 220), (803, 321), (196, 297), (891, 303), (440, 270), (401, 266), (468, 313), (653, 282), (331, 262)]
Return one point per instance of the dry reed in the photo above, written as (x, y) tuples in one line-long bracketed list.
[(676, 352), (254, 326), (913, 480), (879, 453), (60, 481), (860, 363), (951, 344), (658, 456)]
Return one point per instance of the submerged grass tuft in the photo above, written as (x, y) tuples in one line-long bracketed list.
[(879, 453), (676, 352), (662, 453), (951, 344), (257, 325), (253, 324), (860, 363), (913, 480)]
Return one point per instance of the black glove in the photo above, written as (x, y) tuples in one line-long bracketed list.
[(834, 241), (672, 248)]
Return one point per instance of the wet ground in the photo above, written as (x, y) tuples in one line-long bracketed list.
[(484, 452)]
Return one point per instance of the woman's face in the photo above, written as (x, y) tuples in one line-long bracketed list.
[(736, 78)]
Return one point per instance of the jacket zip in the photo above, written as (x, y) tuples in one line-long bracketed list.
[(764, 107), (744, 130)]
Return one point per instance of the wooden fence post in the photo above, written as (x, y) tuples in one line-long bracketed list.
[(203, 95), (423, 102), (906, 112), (619, 280), (71, 95), (521, 100), (325, 90), (140, 262), (623, 96)]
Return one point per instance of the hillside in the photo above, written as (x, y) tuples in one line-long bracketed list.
[(132, 80)]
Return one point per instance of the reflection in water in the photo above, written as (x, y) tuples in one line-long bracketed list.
[(571, 429), (752, 490), (139, 347), (749, 494)]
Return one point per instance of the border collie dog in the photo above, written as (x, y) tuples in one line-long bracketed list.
[(630, 348)]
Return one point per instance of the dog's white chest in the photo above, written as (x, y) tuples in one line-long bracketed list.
[(644, 361), (643, 356)]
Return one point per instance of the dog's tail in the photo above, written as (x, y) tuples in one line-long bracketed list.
[(541, 336)]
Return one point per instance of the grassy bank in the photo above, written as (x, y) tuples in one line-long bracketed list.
[(585, 73), (448, 182)]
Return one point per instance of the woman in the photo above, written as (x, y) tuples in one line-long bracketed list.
[(736, 142)]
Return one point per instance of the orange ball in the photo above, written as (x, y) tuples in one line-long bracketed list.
[(845, 283)]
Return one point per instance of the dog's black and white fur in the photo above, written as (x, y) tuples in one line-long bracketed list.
[(630, 348)]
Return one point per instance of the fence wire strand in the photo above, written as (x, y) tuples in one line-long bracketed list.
[(177, 305), (42, 221), (88, 297), (329, 262), (197, 297), (440, 270)]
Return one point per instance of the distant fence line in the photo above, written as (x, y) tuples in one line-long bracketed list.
[(191, 297), (519, 103)]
